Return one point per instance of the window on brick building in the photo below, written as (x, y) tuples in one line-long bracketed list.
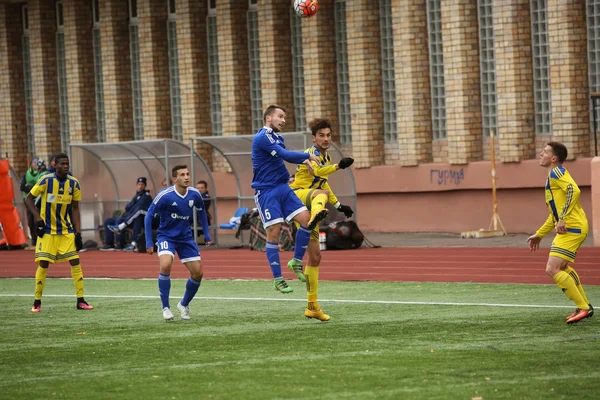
[(61, 68), (541, 67), (213, 69), (390, 124), (297, 71), (593, 36), (487, 66), (136, 80), (98, 75), (175, 94), (254, 62), (27, 82), (343, 81), (436, 69)]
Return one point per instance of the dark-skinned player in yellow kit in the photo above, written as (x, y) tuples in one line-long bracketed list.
[(59, 238)]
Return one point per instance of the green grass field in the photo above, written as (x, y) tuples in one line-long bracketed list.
[(245, 341)]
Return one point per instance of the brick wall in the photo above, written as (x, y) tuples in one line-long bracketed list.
[(514, 80), (80, 71), (462, 79), (193, 72), (569, 76), (116, 68), (320, 79), (233, 66), (154, 66), (276, 57), (364, 71), (512, 34), (13, 127), (42, 28), (413, 93)]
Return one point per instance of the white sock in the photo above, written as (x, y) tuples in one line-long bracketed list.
[(122, 226), (133, 244)]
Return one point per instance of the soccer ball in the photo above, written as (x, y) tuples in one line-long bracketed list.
[(306, 8)]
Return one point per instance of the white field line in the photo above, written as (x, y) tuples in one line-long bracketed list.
[(348, 301)]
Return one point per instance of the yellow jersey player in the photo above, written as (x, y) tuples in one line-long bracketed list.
[(568, 217), (314, 191), (59, 238)]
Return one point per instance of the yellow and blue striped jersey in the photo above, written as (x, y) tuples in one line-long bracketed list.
[(562, 199), (57, 197), (305, 180)]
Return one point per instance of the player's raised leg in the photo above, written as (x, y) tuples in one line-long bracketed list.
[(318, 212)]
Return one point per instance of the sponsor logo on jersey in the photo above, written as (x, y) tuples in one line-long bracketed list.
[(177, 216)]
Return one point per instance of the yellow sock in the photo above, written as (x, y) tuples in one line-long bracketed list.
[(77, 280), (575, 277), (567, 284), (40, 281), (318, 203), (312, 286)]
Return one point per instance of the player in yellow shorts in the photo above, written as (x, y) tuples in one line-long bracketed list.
[(568, 217), (58, 237), (314, 191)]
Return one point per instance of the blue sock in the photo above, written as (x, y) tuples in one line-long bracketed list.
[(164, 288), (191, 288), (302, 238), (273, 259)]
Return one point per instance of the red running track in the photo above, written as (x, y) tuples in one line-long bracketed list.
[(483, 265)]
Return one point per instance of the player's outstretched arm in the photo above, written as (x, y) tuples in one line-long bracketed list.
[(269, 144)]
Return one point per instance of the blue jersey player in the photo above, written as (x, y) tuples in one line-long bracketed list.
[(175, 208), (274, 198)]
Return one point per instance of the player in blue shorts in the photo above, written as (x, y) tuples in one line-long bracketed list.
[(175, 207), (274, 199)]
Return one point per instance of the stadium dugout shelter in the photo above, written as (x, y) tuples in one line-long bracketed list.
[(237, 151), (108, 172)]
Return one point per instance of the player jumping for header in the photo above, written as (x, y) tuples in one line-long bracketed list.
[(274, 198)]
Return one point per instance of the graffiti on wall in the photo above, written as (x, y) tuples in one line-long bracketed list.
[(443, 177)]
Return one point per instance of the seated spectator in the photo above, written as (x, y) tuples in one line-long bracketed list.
[(202, 187), (133, 216)]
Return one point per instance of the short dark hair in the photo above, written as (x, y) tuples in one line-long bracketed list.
[(202, 182), (319, 123), (271, 109), (60, 156), (559, 150), (177, 168)]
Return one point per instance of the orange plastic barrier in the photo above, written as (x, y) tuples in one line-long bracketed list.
[(9, 216)]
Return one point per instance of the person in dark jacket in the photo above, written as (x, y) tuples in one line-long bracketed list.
[(29, 180), (133, 216)]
